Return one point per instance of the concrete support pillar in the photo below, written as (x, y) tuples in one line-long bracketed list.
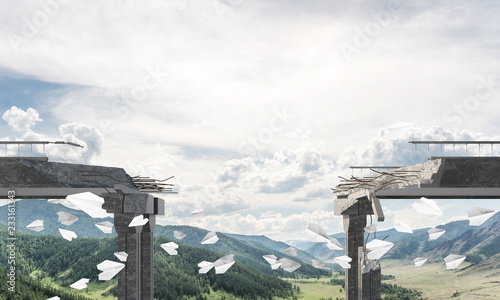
[(147, 266), (370, 279), (136, 280), (354, 238), (129, 241)]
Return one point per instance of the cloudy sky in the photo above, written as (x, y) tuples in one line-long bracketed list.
[(253, 105)]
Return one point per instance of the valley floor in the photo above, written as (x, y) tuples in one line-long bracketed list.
[(314, 289), (438, 283)]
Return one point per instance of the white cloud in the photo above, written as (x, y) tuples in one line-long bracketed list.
[(87, 136), (381, 151), (285, 228), (298, 64), (288, 170), (20, 120), (211, 80)]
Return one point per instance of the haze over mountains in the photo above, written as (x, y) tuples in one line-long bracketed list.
[(479, 243)]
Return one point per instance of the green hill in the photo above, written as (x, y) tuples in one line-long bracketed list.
[(56, 263), (247, 253)]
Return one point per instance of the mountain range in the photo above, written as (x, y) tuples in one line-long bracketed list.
[(406, 245)]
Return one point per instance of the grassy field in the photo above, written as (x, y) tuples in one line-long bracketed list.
[(314, 289), (438, 283)]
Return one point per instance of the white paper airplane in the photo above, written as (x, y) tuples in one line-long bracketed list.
[(291, 251), (317, 264), (197, 212), (158, 172), (66, 219), (106, 226), (205, 266), (273, 261), (54, 298), (36, 225), (138, 221), (289, 265), (122, 256), (68, 234), (377, 248), (333, 244), (170, 248), (80, 284), (269, 217), (398, 129), (223, 264), (179, 235), (419, 261), (343, 261), (64, 202), (427, 206), (478, 215), (452, 261), (89, 203), (315, 233), (435, 233), (109, 269), (210, 238), (403, 227), (371, 229)]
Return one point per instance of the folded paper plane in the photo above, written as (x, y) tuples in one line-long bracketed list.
[(122, 256), (170, 248), (138, 221), (66, 219), (273, 261), (333, 244), (403, 227), (435, 233), (289, 265), (317, 264), (371, 229), (343, 261), (398, 129), (478, 215), (179, 235), (315, 233), (36, 225), (269, 217), (64, 202), (419, 261), (68, 234), (106, 226), (427, 206), (80, 284), (452, 261), (89, 203), (210, 238), (221, 265), (377, 248), (197, 212), (205, 266), (291, 251), (109, 269)]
